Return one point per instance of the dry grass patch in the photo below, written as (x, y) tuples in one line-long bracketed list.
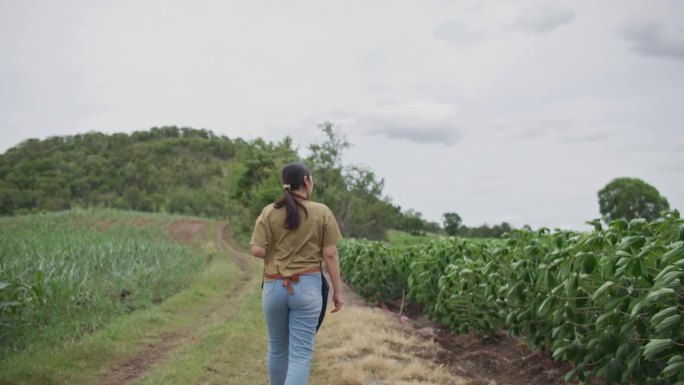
[(366, 346)]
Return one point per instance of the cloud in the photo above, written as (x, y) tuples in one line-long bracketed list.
[(563, 130), (416, 121), (420, 134), (654, 39), (587, 137), (527, 127), (455, 31), (544, 19)]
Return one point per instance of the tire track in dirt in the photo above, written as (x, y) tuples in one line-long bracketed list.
[(187, 231), (223, 243), (133, 368)]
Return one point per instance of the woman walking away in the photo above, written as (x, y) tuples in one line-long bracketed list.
[(293, 236)]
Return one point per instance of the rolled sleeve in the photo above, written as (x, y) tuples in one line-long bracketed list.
[(331, 231), (260, 235)]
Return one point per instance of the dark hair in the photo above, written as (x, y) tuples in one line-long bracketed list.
[(293, 178)]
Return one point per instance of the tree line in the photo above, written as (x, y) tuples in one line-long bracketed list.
[(622, 198), (195, 172), (189, 171)]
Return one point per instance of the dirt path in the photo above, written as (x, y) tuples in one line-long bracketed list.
[(134, 367), (188, 231)]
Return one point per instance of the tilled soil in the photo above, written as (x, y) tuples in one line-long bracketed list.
[(499, 359)]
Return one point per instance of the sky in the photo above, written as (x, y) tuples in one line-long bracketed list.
[(498, 110)]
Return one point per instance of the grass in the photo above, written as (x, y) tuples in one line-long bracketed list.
[(229, 351), (381, 351), (89, 358), (66, 274)]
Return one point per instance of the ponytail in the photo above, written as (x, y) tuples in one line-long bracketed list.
[(292, 205), (293, 177)]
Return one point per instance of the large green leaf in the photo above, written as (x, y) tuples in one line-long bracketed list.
[(656, 346), (545, 307), (657, 294), (559, 353), (602, 289), (667, 323), (674, 255), (637, 308), (661, 315)]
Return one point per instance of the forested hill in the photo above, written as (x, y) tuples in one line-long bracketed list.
[(161, 169), (188, 171)]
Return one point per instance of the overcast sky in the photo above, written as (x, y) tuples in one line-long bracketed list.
[(515, 111)]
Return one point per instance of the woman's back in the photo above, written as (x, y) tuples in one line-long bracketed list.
[(290, 251)]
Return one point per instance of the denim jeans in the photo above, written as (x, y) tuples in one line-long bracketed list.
[(291, 321)]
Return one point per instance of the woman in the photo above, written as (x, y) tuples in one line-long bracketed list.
[(293, 236)]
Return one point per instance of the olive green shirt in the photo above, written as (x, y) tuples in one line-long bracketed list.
[(291, 251)]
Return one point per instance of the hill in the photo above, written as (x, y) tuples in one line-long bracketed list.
[(167, 169), (192, 172)]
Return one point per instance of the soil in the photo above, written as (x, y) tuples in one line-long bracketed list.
[(498, 359), (134, 367), (186, 230)]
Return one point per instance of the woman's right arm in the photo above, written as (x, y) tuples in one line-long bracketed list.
[(332, 261), (260, 237), (258, 251)]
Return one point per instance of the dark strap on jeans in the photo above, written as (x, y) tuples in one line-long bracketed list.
[(325, 288)]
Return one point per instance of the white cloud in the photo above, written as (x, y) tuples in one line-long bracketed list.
[(456, 30), (544, 18), (421, 121)]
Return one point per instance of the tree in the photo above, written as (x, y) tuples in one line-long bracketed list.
[(353, 193), (325, 161), (452, 222), (629, 198), (364, 212), (412, 222)]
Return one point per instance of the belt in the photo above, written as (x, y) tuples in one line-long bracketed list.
[(292, 278)]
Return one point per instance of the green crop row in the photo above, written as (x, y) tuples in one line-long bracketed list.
[(609, 302), (69, 273)]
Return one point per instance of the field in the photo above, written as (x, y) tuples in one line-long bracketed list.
[(75, 271), (609, 302), (197, 320), (115, 297), (160, 288)]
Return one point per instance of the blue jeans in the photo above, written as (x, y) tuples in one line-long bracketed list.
[(291, 321)]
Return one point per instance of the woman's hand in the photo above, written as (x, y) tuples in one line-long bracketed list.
[(337, 300)]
